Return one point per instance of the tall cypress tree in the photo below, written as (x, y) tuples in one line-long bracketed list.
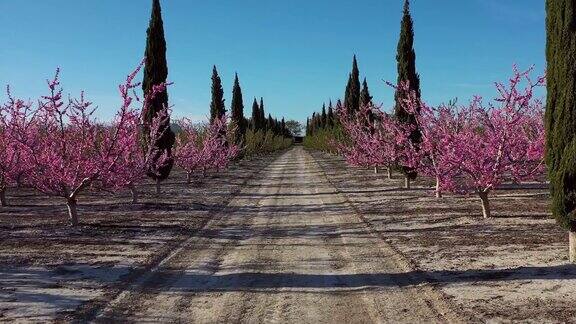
[(255, 115), (283, 127), (330, 114), (270, 123), (560, 119), (217, 107), (237, 108), (365, 97), (406, 58), (324, 121), (155, 73), (262, 115), (352, 94)]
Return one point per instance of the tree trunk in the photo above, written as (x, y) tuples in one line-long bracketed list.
[(158, 189), (438, 190), (72, 211), (188, 177), (134, 193), (376, 169), (485, 204), (3, 202), (389, 173), (406, 182), (572, 246)]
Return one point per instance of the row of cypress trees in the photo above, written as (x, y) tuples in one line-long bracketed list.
[(322, 120), (156, 72), (258, 119), (355, 96)]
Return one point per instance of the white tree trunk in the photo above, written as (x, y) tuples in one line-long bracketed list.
[(188, 177), (72, 211), (485, 204), (376, 169), (438, 191), (406, 182), (3, 201), (572, 246), (389, 173), (134, 193)]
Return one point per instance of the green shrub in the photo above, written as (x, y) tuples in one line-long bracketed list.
[(325, 139), (260, 142)]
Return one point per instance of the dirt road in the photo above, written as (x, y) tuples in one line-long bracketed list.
[(288, 248)]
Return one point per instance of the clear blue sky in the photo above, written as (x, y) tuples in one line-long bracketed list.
[(294, 53)]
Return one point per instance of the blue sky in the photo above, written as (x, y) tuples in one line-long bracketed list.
[(294, 53)]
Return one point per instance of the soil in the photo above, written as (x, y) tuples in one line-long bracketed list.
[(297, 237)]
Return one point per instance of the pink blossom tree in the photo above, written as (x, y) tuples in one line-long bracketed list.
[(66, 151), (133, 160), (477, 148), (507, 144), (12, 118), (372, 138), (202, 152)]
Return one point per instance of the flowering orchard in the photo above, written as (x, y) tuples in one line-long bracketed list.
[(468, 149), (199, 152), (60, 149)]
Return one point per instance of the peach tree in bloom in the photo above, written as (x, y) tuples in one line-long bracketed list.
[(468, 149), (66, 151), (199, 152), (372, 138), (12, 123)]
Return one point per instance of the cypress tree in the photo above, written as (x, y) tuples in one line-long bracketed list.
[(237, 108), (155, 73), (560, 118), (255, 115), (366, 100), (352, 94), (277, 130), (284, 130), (308, 126), (365, 97), (330, 114), (313, 124), (406, 58), (217, 107), (324, 120), (270, 123), (262, 115)]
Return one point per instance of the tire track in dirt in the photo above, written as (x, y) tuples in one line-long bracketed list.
[(95, 310), (289, 248), (434, 297)]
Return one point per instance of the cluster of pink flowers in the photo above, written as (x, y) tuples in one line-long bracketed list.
[(60, 149), (473, 148), (200, 151)]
